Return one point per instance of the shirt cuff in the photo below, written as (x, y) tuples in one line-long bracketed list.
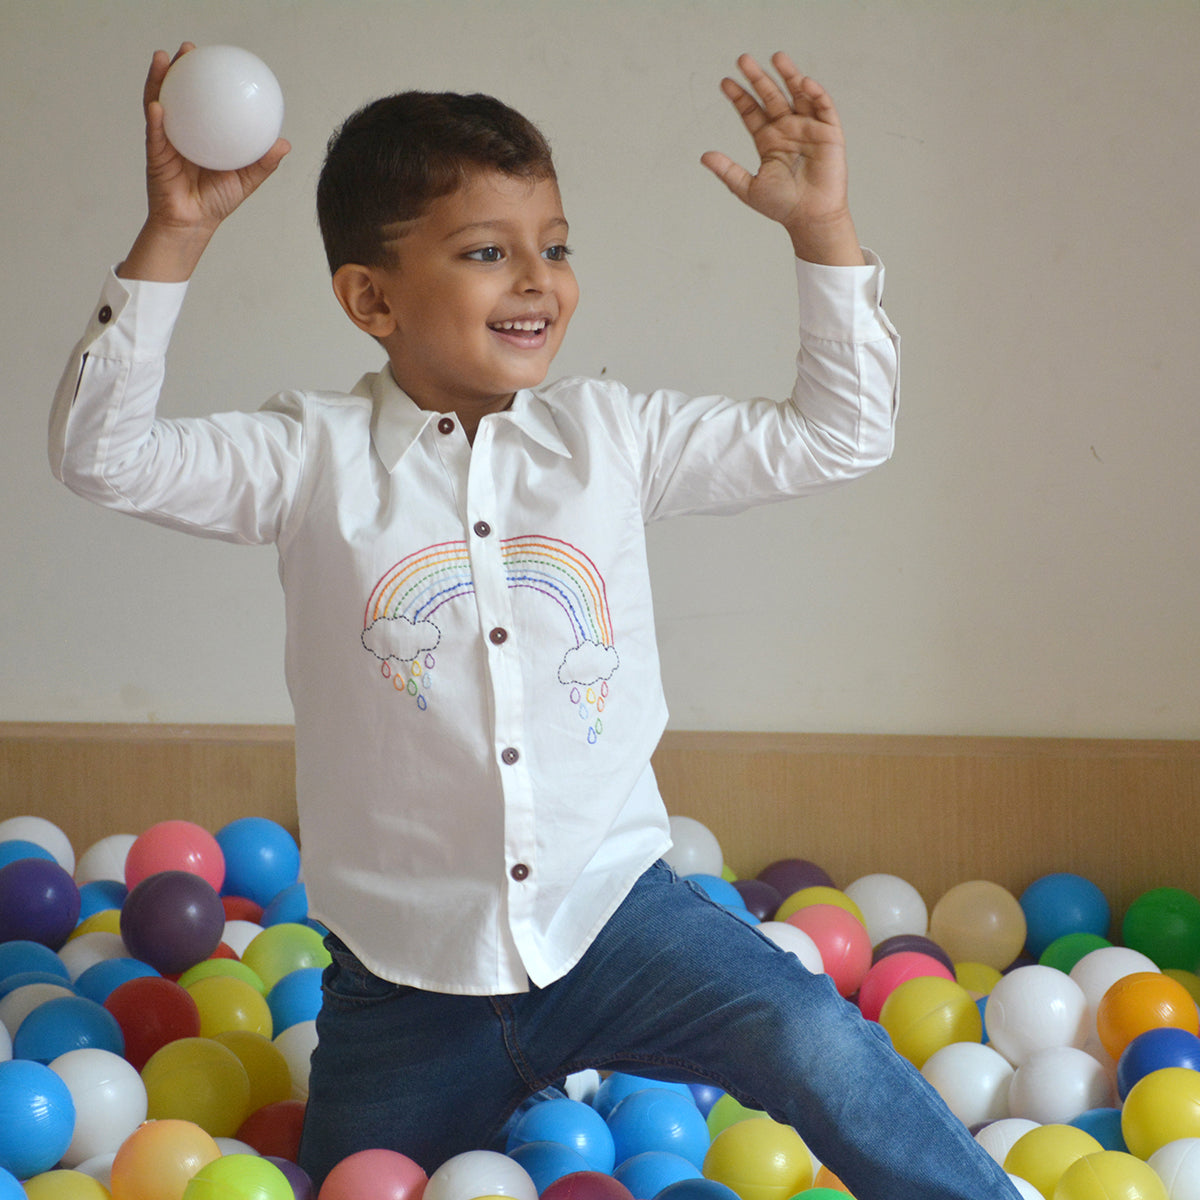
[(843, 304), (134, 318)]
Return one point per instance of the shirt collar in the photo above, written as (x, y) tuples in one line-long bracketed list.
[(397, 423)]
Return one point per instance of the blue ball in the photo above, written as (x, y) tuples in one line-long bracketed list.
[(37, 1118), (1104, 1124), (655, 1119), (100, 979), (10, 1189), (719, 891), (697, 1189), (100, 895), (547, 1161), (24, 978), (1154, 1050), (648, 1174), (1059, 904), (295, 998), (705, 1096), (288, 907), (618, 1085), (261, 859), (569, 1123), (67, 1023), (21, 955), (17, 848)]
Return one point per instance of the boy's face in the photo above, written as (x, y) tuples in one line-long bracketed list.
[(480, 295)]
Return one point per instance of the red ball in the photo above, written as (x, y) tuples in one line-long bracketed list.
[(841, 938), (275, 1129), (586, 1185), (152, 1012), (175, 846), (380, 1174), (890, 972)]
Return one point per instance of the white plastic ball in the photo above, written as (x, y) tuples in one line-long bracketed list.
[(1177, 1164), (296, 1043), (222, 107), (1025, 1189), (99, 1169), (1098, 970), (582, 1085), (110, 1101), (88, 949), (890, 906), (796, 942), (21, 1001), (480, 1173), (1032, 1009), (972, 1079), (1000, 1137), (42, 833), (5, 1043), (239, 934), (230, 1145), (694, 848), (1054, 1086), (105, 859)]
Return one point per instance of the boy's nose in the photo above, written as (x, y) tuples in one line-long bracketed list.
[(534, 275)]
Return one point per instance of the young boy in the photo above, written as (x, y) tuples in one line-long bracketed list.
[(470, 641)]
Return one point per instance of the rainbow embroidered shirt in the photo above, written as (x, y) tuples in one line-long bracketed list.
[(470, 638)]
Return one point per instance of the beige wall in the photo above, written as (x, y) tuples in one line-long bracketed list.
[(1029, 169)]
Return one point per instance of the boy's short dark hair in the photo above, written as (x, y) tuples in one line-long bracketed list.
[(390, 159)]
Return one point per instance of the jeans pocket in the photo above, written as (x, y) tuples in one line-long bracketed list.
[(348, 983)]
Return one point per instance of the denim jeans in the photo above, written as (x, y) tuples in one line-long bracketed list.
[(673, 987)]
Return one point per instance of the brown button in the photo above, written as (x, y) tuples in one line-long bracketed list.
[(519, 872), (105, 315), (445, 425), (509, 755), (498, 636), (482, 529)]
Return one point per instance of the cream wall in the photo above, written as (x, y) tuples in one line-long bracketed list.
[(1028, 562)]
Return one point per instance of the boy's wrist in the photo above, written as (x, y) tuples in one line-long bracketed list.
[(831, 243), (165, 253)]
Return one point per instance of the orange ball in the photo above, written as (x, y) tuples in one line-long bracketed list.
[(1142, 1001), (158, 1159)]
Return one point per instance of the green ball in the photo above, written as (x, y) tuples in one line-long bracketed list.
[(1064, 952), (1164, 924), (239, 1177)]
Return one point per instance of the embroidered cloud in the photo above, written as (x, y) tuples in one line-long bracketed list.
[(588, 663), (400, 640)]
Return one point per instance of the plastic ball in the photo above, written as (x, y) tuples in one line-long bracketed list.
[(175, 846), (1161, 1107), (645, 1175), (788, 875), (620, 1084), (223, 967), (64, 1184), (10, 1189), (238, 1177), (1154, 1050), (794, 941), (100, 895), (37, 1117), (105, 859), (1177, 1164), (274, 1129), (302, 1185), (380, 1174), (261, 857), (889, 972), (15, 848), (475, 1173), (727, 1111), (695, 849), (972, 1079), (1034, 1008), (586, 1185), (222, 107), (999, 1137), (268, 1071), (547, 1161), (1098, 971), (1104, 1124), (657, 1119), (288, 906), (100, 979), (159, 1159), (914, 942), (979, 921), (152, 1012), (1025, 1189), (978, 978), (1054, 1086), (296, 997), (24, 997), (1045, 1152), (842, 940), (296, 1044), (281, 949), (809, 896), (1064, 952), (1142, 1001), (40, 832), (1062, 903), (172, 920), (67, 1023), (924, 1014), (1189, 979), (759, 898), (760, 1159), (1164, 924), (109, 1099), (1107, 1174), (700, 1189), (569, 1123), (39, 902), (226, 1004), (198, 1080), (889, 906), (22, 956)]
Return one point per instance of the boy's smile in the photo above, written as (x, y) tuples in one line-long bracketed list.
[(478, 297)]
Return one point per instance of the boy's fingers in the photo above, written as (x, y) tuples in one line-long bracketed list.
[(736, 178), (773, 100)]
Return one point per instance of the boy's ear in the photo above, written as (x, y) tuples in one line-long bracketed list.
[(363, 300)]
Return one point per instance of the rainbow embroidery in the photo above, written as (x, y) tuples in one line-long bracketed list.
[(399, 627)]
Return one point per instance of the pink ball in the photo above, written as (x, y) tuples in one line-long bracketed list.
[(380, 1174), (175, 846), (842, 940), (890, 972)]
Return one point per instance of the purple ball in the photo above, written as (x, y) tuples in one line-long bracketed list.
[(790, 875), (915, 942), (172, 920), (760, 898), (39, 902), (301, 1184)]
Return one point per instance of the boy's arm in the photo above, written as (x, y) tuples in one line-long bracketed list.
[(801, 178), (185, 203)]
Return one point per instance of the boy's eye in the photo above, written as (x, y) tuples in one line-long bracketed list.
[(486, 254), (558, 253)]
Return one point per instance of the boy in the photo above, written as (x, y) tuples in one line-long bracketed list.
[(470, 640)]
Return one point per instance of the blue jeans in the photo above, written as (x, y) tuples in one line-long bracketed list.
[(673, 987)]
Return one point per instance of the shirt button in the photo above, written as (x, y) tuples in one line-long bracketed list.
[(509, 755), (105, 314), (482, 529), (519, 872), (445, 425), (498, 636)]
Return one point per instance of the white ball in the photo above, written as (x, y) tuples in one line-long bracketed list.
[(1177, 1164), (480, 1173), (296, 1043), (222, 107), (21, 1001), (1098, 970), (1025, 1189), (1054, 1086), (890, 906), (1034, 1008), (5, 1043), (239, 934), (229, 1145), (1000, 1137), (88, 949), (105, 859), (99, 1169), (972, 1079), (42, 833), (110, 1101), (796, 942), (582, 1085), (694, 848)]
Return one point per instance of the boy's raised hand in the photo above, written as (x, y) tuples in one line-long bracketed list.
[(186, 202), (801, 178)]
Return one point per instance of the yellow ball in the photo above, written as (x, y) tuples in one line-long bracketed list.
[(1110, 1175), (979, 921), (226, 1003), (727, 1111), (977, 978), (1189, 979), (222, 966), (818, 895), (1042, 1156), (760, 1159), (1160, 1108), (107, 920), (270, 1076), (198, 1080), (924, 1014), (64, 1185)]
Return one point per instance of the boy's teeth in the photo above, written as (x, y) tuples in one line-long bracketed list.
[(522, 326)]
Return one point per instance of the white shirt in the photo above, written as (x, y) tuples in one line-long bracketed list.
[(470, 638)]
